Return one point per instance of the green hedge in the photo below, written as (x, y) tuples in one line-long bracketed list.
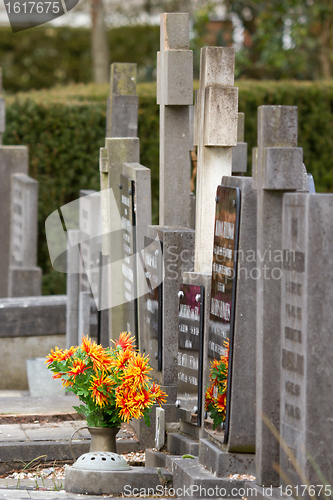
[(46, 56), (65, 127)]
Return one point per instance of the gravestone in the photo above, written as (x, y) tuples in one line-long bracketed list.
[(216, 133), (128, 266), (117, 151), (152, 306), (190, 352), (13, 159), (224, 281), (72, 287), (90, 253), (239, 152), (241, 432), (278, 170), (174, 95), (141, 179), (24, 277), (306, 347), (176, 246)]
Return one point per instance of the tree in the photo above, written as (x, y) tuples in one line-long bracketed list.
[(285, 38), (99, 43)]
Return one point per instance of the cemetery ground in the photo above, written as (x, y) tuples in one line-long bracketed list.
[(32, 431)]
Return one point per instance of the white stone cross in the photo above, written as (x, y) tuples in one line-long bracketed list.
[(216, 133), (174, 95)]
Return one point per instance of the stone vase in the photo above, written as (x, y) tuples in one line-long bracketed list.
[(103, 438)]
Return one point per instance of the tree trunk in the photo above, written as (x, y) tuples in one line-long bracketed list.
[(99, 43)]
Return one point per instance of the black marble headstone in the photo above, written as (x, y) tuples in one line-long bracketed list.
[(190, 353), (224, 279), (153, 300), (129, 274)]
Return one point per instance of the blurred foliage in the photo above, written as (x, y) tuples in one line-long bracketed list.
[(46, 56), (65, 127), (289, 39)]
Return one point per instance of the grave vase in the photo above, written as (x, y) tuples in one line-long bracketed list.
[(102, 439)]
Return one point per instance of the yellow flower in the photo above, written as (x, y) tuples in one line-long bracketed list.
[(125, 341), (99, 356), (136, 372), (60, 354), (99, 385)]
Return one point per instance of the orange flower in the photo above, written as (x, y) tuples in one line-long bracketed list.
[(136, 372), (159, 395), (121, 360), (97, 354), (125, 341), (144, 399), (124, 401), (60, 354), (221, 402), (209, 396), (100, 385), (77, 368)]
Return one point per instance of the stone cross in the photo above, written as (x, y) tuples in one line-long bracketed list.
[(2, 111), (216, 133), (121, 146), (278, 170), (174, 95), (122, 104)]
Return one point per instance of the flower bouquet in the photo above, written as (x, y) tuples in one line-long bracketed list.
[(112, 383), (216, 392)]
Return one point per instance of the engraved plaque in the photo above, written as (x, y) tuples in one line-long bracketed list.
[(190, 352), (153, 300), (224, 278), (128, 266), (293, 344)]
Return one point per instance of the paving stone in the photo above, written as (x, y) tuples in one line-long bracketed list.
[(9, 433)]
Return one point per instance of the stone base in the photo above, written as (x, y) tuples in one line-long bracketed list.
[(178, 444), (145, 434), (222, 463), (24, 282), (192, 480), (144, 479), (156, 458)]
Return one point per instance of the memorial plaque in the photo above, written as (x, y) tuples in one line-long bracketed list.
[(224, 270), (128, 266), (153, 300), (190, 352), (293, 343)]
